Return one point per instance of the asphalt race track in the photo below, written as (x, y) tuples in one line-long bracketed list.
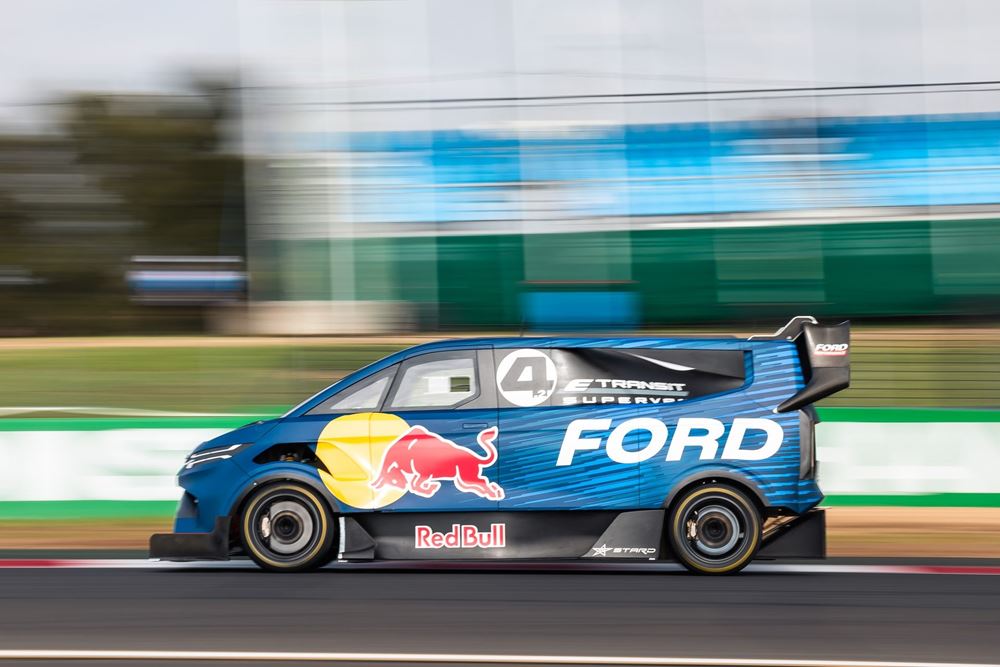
[(786, 614)]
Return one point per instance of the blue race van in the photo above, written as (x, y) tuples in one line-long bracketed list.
[(697, 449)]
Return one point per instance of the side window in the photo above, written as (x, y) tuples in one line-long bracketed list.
[(437, 380), (362, 396), (623, 376)]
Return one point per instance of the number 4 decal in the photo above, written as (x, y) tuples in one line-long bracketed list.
[(526, 378)]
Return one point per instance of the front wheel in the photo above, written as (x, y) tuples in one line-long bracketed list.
[(715, 529), (286, 527)]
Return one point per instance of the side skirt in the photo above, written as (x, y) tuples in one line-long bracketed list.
[(492, 535)]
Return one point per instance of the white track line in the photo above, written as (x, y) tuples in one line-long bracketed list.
[(450, 658)]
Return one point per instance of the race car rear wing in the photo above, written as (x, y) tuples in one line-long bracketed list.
[(825, 355)]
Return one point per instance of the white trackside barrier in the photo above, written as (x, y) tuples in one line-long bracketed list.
[(870, 458)]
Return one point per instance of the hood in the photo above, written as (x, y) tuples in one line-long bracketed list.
[(247, 433)]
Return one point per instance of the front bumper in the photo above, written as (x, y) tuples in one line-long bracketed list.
[(213, 545)]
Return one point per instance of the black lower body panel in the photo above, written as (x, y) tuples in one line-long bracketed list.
[(803, 536), (490, 535), (192, 546), (599, 534)]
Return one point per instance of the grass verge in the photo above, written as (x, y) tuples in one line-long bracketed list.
[(900, 366)]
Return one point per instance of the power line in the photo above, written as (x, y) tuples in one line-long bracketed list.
[(747, 93)]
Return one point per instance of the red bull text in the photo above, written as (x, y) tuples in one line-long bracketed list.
[(461, 536)]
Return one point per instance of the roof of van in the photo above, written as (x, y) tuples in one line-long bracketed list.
[(716, 341), (719, 341)]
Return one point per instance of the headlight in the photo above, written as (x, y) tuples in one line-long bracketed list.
[(214, 454)]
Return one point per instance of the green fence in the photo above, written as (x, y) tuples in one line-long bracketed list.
[(680, 276)]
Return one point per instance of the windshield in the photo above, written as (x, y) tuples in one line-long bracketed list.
[(357, 375)]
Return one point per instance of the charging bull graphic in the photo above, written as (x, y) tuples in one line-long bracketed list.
[(418, 459), (373, 459)]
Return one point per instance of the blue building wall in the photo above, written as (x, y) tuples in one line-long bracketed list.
[(672, 169)]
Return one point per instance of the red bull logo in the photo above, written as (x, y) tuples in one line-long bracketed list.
[(461, 536), (373, 459), (419, 460)]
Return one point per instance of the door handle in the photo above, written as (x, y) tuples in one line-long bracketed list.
[(476, 425)]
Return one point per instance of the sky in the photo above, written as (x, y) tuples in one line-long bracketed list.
[(335, 54), (392, 49), (48, 46)]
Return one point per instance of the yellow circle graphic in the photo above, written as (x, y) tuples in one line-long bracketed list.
[(352, 447)]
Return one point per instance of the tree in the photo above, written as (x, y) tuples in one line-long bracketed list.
[(129, 175), (167, 158)]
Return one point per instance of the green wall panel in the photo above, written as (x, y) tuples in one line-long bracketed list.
[(863, 270)]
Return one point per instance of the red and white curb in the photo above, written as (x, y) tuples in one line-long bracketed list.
[(589, 566)]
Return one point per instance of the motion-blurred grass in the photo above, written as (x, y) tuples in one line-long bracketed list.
[(189, 379), (909, 367)]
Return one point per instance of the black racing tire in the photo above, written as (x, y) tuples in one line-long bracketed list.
[(287, 527), (714, 529)]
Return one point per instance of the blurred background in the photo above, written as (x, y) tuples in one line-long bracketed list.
[(208, 211)]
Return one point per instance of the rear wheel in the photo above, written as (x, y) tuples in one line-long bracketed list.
[(714, 529), (287, 527)]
